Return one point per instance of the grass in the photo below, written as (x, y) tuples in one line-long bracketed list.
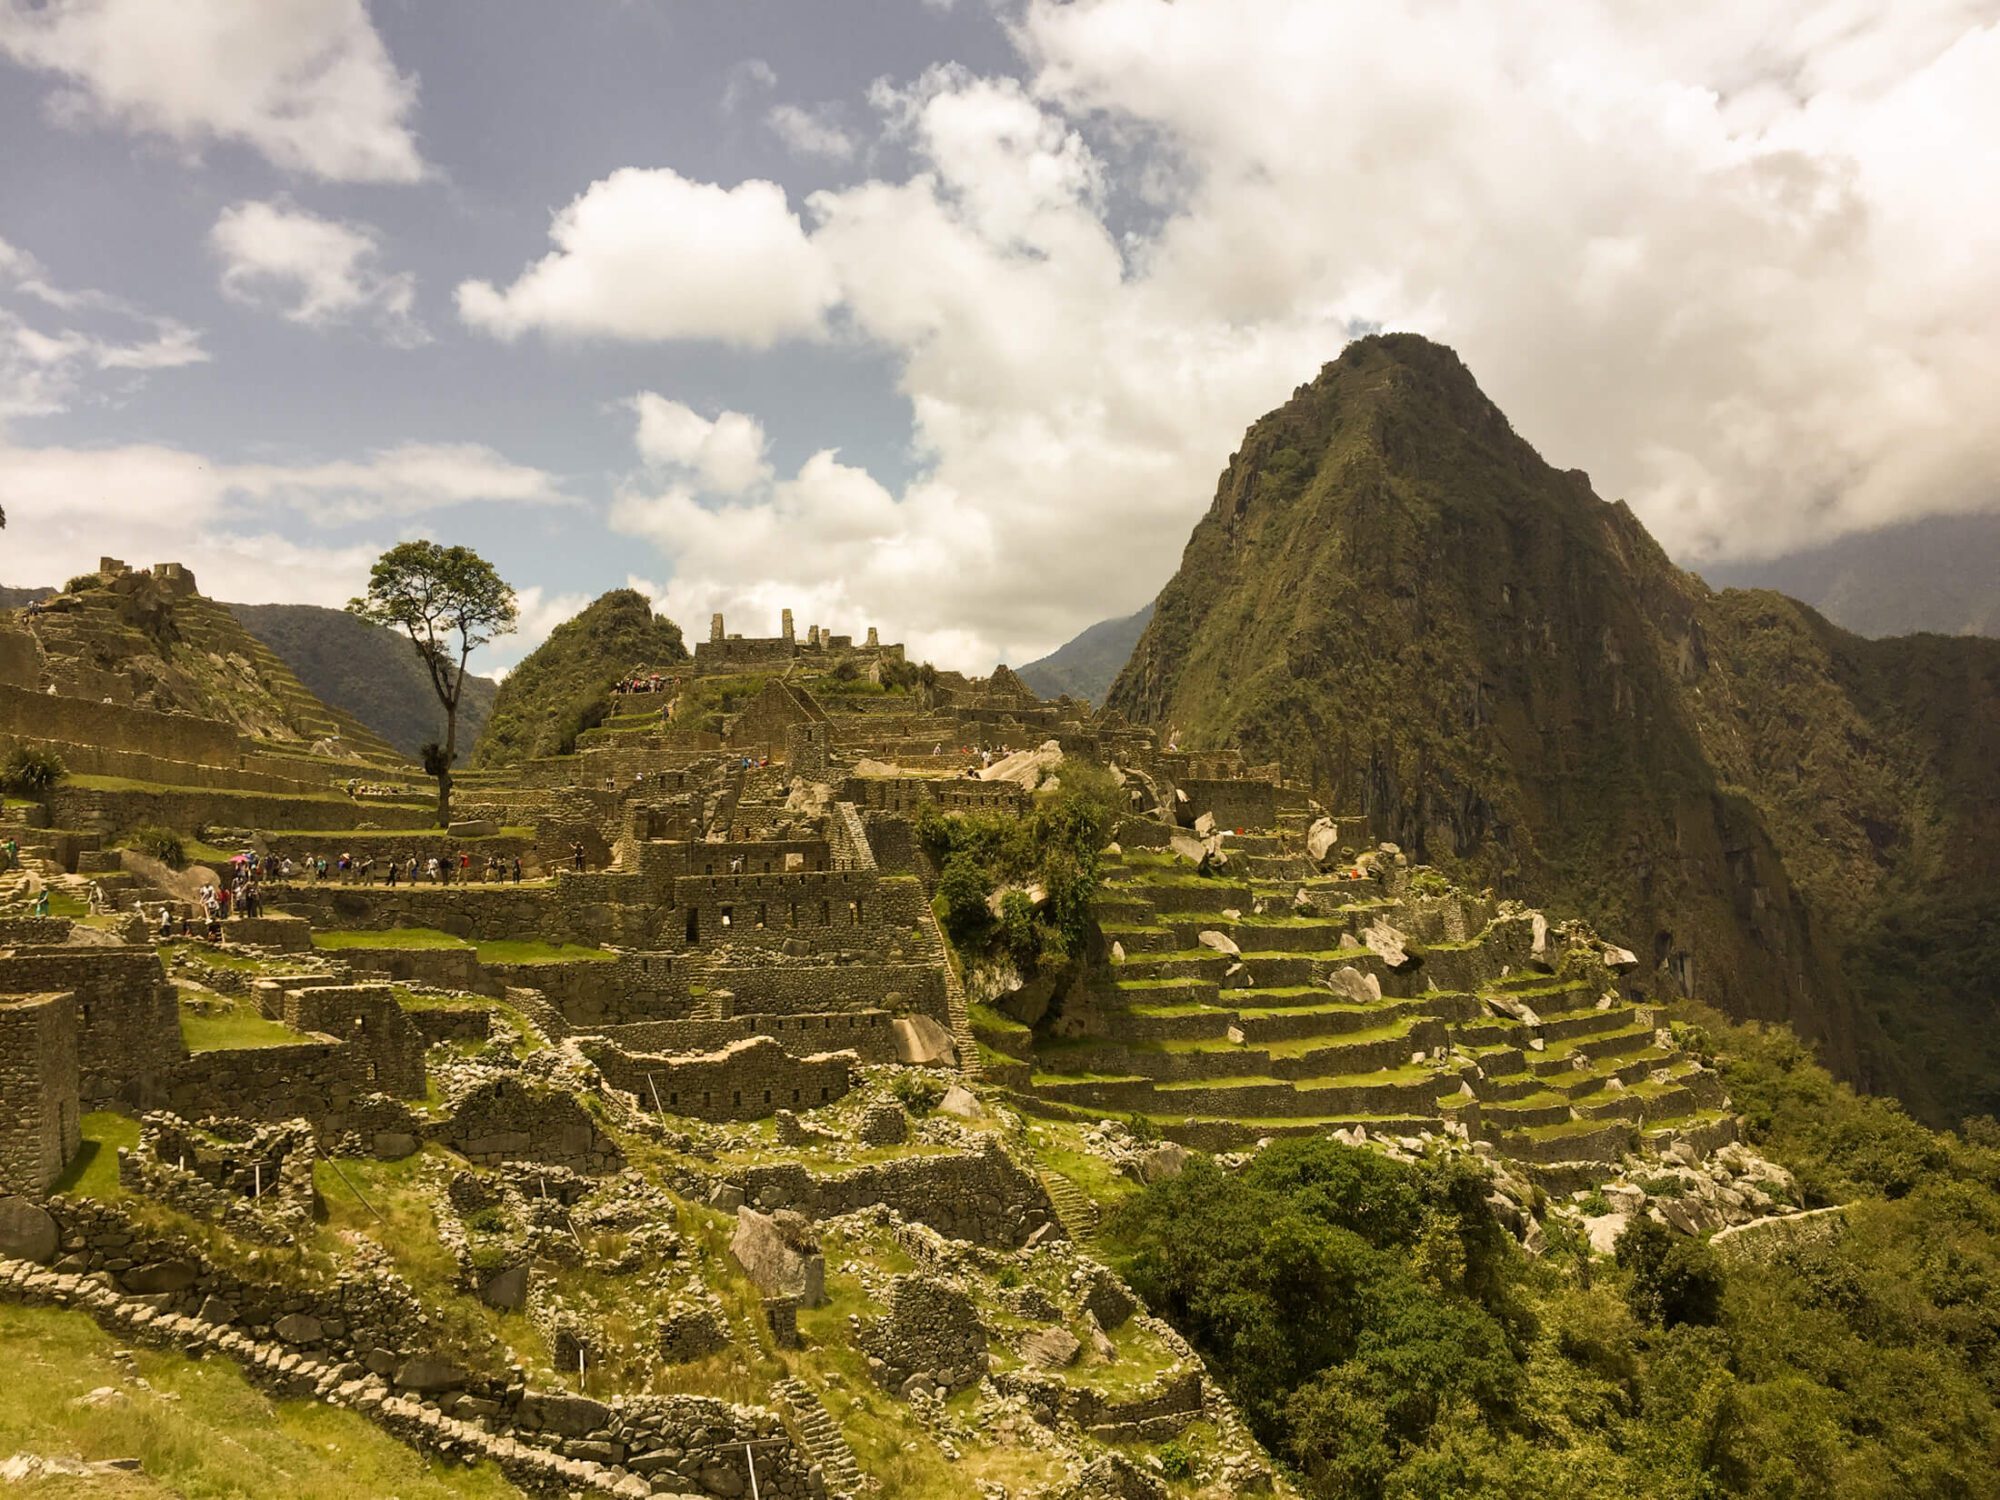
[(198, 1428), (490, 950), (94, 1171), (233, 1030), (531, 951), (390, 937)]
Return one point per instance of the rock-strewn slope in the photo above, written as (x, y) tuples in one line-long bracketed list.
[(1394, 594)]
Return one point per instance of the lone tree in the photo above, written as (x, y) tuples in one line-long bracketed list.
[(450, 601)]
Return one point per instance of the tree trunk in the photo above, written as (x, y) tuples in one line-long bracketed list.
[(444, 767)]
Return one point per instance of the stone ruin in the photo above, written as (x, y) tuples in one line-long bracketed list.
[(721, 1008)]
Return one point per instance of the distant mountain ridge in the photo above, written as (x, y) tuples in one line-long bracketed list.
[(367, 671), (1940, 573), (1395, 596), (1085, 666)]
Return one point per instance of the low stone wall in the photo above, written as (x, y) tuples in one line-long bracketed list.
[(866, 1033), (982, 1196), (362, 1341)]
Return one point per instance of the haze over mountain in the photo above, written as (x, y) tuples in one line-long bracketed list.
[(1085, 666), (1941, 573), (1394, 594), (372, 673)]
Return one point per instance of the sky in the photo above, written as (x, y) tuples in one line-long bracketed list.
[(944, 315)]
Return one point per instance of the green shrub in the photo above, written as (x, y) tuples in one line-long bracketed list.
[(32, 771), (1675, 1280), (919, 1093), (162, 844), (1175, 1461), (81, 582)]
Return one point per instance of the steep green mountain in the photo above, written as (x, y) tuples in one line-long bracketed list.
[(558, 689), (1393, 594), (1941, 573), (15, 598), (372, 673), (1085, 666)]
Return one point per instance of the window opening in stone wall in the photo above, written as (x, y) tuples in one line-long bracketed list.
[(854, 914), (694, 924), (826, 914), (728, 916), (736, 1098)]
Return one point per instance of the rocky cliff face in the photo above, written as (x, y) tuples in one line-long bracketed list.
[(1396, 596)]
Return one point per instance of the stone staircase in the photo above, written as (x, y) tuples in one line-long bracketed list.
[(957, 1012), (820, 1438), (1074, 1207)]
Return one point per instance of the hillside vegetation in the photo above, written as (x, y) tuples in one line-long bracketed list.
[(559, 690), (1393, 594), (1385, 1338), (372, 673)]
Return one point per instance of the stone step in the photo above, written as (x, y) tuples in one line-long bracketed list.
[(1074, 1207), (821, 1438)]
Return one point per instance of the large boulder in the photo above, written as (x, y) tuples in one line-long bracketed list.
[(922, 1042), (1391, 944), (1323, 842), (27, 1232), (779, 1254), (1221, 942)]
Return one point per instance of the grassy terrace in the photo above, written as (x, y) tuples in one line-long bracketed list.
[(92, 783), (490, 950), (197, 1427), (230, 1030)]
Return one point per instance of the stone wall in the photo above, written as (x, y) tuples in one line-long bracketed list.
[(478, 912), (128, 1026), (982, 1196), (39, 1108), (866, 1033), (367, 1018), (321, 1080), (29, 715), (506, 1119), (744, 1080), (118, 812), (1234, 804), (364, 1341)]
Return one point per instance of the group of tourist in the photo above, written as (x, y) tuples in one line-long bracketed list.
[(438, 869), (642, 682)]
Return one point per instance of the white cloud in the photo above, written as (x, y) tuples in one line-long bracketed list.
[(647, 254), (745, 79), (307, 83), (1735, 263), (314, 271), (1743, 266), (726, 455), (813, 132), (45, 370), (229, 522)]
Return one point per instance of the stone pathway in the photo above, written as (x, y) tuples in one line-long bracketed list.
[(955, 1006), (820, 1438)]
